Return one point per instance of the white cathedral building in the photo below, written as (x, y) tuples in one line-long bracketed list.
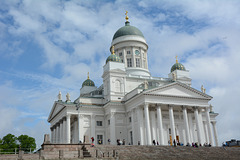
[(132, 105)]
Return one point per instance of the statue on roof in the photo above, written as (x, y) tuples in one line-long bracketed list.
[(59, 96), (145, 84), (203, 89), (68, 97), (174, 77)]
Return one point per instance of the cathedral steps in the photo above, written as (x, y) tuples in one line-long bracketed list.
[(128, 152), (169, 152)]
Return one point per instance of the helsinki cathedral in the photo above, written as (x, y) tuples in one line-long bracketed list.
[(133, 106)]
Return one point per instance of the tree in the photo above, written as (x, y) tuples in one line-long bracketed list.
[(27, 142), (9, 143)]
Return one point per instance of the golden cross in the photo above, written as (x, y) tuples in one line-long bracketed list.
[(176, 59), (126, 15), (88, 75)]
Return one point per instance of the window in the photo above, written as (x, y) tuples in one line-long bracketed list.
[(129, 62), (120, 54), (130, 119), (109, 122), (99, 123), (137, 62), (128, 52)]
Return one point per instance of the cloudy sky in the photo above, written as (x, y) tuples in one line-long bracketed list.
[(49, 46)]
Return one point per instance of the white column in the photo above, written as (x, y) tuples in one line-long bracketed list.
[(52, 134), (61, 132), (206, 132), (79, 128), (172, 123), (198, 125), (93, 125), (140, 125), (112, 128), (215, 133), (201, 126), (147, 124), (185, 118), (133, 128), (141, 59), (191, 128), (134, 60), (55, 134), (153, 119), (160, 125), (64, 130), (209, 126), (125, 57), (68, 134)]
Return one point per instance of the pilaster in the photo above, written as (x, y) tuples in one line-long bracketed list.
[(112, 128)]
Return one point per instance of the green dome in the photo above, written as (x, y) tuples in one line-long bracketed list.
[(88, 82), (113, 58), (178, 66), (127, 30)]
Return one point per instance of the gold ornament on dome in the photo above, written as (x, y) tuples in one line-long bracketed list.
[(126, 16), (113, 52), (176, 59)]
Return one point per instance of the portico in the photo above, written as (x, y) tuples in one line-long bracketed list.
[(177, 115)]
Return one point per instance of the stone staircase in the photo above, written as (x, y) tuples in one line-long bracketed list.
[(86, 153), (112, 152), (168, 152)]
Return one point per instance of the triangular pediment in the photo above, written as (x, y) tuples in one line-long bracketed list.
[(178, 89), (55, 109)]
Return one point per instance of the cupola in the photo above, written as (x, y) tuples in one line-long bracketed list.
[(88, 82), (177, 66), (127, 30), (113, 57)]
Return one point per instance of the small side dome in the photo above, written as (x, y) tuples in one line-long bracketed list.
[(113, 57), (88, 82), (177, 66)]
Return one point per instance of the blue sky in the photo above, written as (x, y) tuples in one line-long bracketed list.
[(47, 46)]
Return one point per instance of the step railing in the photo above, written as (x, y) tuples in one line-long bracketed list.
[(16, 150)]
